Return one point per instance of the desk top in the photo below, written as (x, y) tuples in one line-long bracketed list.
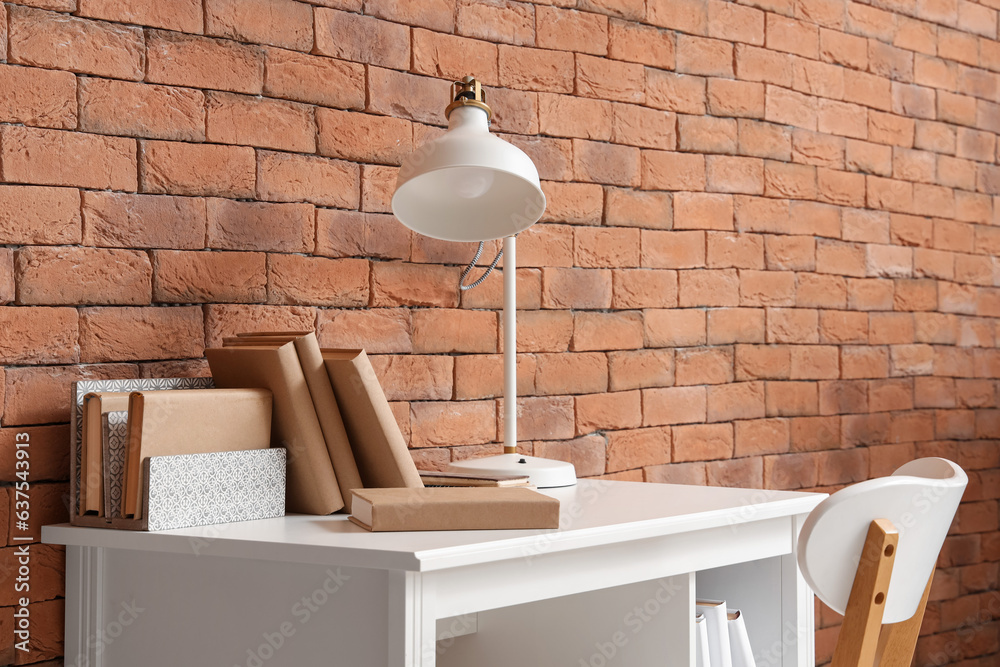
[(592, 513)]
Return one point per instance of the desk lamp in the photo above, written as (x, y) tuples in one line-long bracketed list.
[(469, 185)]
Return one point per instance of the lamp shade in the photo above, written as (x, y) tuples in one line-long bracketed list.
[(468, 185)]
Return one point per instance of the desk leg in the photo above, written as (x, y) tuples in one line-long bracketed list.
[(797, 622), (412, 622), (84, 606)]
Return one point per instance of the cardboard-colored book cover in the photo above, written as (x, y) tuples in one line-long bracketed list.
[(312, 483), (162, 423), (453, 508), (95, 404), (378, 445), (435, 478), (327, 410)]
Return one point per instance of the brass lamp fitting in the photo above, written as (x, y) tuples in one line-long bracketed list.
[(468, 93)]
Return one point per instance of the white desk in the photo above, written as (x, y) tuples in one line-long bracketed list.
[(615, 585)]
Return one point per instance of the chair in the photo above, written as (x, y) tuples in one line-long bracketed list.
[(869, 552)]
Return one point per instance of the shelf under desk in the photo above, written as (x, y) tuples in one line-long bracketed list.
[(308, 590)]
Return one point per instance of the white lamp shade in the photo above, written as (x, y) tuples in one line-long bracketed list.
[(468, 185)]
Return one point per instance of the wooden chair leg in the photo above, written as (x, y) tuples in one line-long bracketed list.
[(898, 641), (859, 634)]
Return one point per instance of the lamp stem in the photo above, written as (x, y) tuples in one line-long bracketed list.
[(510, 344)]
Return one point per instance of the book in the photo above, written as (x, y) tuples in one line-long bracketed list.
[(378, 445), (115, 427), (201, 421), (435, 478), (453, 508), (701, 641), (739, 641), (312, 486), (719, 652), (324, 401), (95, 404), (80, 388)]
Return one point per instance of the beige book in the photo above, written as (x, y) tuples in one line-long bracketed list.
[(92, 447), (312, 483), (435, 478), (453, 508), (378, 445), (330, 420), (190, 421)]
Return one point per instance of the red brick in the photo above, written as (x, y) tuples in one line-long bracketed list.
[(735, 174), (741, 400), (863, 362), (180, 15), (129, 334), (258, 226), (607, 331), (536, 69), (546, 245), (791, 36), (703, 211), (50, 455), (672, 171), (616, 410), (756, 64), (563, 373), (741, 251), (760, 362), (633, 208), (451, 57), (37, 215), (735, 325), (276, 22), (434, 14), (715, 287), (786, 325), (735, 98), (570, 30), (71, 276), (41, 395), (673, 405), (377, 186), (707, 365), (497, 21), (818, 78), (37, 336), (361, 39), (675, 328), (641, 44), (544, 418), (596, 162), (767, 288), (706, 442), (544, 331), (378, 330), (640, 369), (402, 284), (143, 221), (196, 277), (675, 92), (58, 41), (785, 399), (761, 436), (568, 116), (638, 448), (415, 377), (794, 253), (6, 276), (685, 15), (44, 98), (587, 454), (843, 49), (196, 169), (707, 134), (735, 23), (757, 214), (304, 78), (141, 110), (888, 129), (441, 423), (574, 203), (706, 57), (795, 181), (673, 250), (640, 126), (602, 247), (480, 376), (764, 140), (201, 62), (234, 119), (55, 157), (297, 280), (490, 293), (282, 177), (790, 108)]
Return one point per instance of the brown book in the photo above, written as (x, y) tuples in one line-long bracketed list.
[(190, 421), (435, 478), (453, 508), (312, 483), (378, 445), (327, 411), (92, 447)]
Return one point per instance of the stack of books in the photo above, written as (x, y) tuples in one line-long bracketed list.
[(120, 426)]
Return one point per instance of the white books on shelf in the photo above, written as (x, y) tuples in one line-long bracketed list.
[(739, 641), (719, 651), (700, 641)]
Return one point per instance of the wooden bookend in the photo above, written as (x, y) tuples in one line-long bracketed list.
[(859, 634), (898, 641)]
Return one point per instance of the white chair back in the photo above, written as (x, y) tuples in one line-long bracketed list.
[(920, 499)]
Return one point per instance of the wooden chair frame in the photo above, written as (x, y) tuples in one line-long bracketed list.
[(863, 640)]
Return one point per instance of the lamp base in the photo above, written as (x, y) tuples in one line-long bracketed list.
[(543, 473)]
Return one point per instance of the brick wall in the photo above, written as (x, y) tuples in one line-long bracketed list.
[(767, 259)]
